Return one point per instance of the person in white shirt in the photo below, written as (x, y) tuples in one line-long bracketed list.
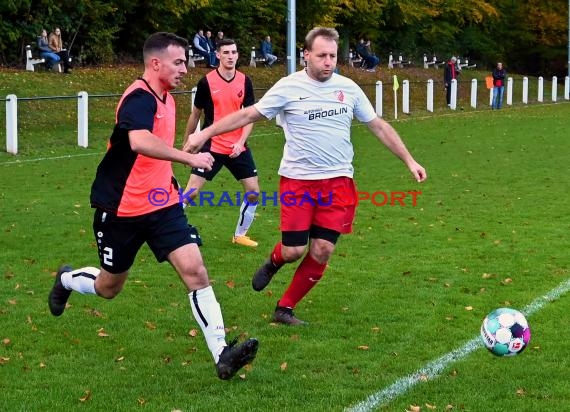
[(316, 107)]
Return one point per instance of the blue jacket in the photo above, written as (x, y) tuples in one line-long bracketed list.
[(266, 48)]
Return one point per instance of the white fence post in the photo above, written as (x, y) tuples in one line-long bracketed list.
[(453, 103), (554, 88), (379, 98), (491, 96), (510, 91), (567, 88), (193, 96), (406, 97), (429, 103), (12, 124), (82, 119), (474, 93), (525, 90), (540, 89)]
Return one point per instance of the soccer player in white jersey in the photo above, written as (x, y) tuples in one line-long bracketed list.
[(316, 108)]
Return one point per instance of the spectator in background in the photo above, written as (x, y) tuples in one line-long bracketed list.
[(45, 52), (201, 46), (56, 45), (450, 72), (267, 52), (364, 49), (499, 74), (219, 37), (212, 46)]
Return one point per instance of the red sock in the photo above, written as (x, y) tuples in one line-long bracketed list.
[(276, 256), (306, 277)]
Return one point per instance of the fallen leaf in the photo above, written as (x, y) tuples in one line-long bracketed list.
[(102, 334), (363, 347), (86, 397), (469, 308), (414, 408), (521, 392), (449, 407), (141, 401), (430, 406), (488, 275), (150, 325), (120, 359), (42, 365), (230, 284), (193, 332), (6, 341), (283, 366)]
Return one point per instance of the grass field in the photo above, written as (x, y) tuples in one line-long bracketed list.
[(408, 287)]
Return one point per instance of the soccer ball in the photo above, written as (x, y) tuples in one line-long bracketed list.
[(505, 332)]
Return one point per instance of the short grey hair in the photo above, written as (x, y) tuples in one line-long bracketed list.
[(326, 32)]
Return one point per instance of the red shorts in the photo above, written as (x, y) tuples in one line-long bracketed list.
[(328, 203)]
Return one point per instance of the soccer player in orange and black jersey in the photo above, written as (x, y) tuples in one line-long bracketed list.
[(221, 92), (136, 201)]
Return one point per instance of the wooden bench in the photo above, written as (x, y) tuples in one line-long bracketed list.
[(354, 59), (32, 60), (465, 65), (427, 63), (398, 63), (253, 60), (192, 58)]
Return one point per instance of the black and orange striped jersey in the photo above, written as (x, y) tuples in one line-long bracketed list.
[(218, 97), (125, 179)]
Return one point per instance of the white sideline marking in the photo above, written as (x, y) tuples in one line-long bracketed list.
[(39, 159), (434, 368)]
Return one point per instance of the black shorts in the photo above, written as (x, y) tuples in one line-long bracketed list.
[(241, 167), (120, 238)]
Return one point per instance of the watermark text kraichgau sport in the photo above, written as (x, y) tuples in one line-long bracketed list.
[(161, 197)]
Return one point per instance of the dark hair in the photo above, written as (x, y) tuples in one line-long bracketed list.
[(326, 32), (224, 42), (160, 41)]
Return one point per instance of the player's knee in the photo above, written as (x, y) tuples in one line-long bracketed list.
[(292, 253), (108, 292), (252, 197)]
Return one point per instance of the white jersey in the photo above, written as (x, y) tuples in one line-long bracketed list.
[(316, 118)]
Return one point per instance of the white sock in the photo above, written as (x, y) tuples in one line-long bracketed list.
[(246, 216), (208, 314), (81, 280)]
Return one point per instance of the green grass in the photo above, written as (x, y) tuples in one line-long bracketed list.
[(393, 299)]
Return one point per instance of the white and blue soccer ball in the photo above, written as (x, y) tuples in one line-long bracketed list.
[(505, 332)]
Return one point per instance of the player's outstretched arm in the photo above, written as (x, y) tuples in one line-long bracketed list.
[(390, 138), (146, 143), (230, 122)]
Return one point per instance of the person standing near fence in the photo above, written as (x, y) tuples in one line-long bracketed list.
[(316, 107), (223, 91), (135, 198), (450, 72), (499, 74)]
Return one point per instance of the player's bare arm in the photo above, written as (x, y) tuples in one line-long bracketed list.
[(146, 143), (390, 138), (239, 146), (230, 122), (192, 123)]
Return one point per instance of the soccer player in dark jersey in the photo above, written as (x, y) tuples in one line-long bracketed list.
[(223, 91), (316, 107), (136, 201)]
